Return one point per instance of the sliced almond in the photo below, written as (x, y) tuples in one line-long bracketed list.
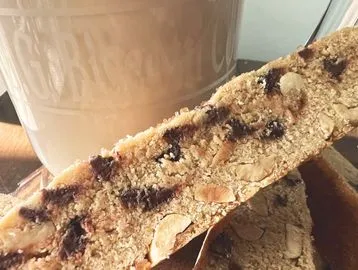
[(247, 232), (223, 153), (258, 204), (165, 236), (14, 239), (294, 241), (349, 114), (214, 193), (291, 83), (350, 100), (326, 124), (256, 171)]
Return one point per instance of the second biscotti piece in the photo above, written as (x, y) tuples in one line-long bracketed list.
[(270, 231), (154, 192), (330, 181)]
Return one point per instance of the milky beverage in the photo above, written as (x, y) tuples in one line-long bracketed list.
[(83, 74)]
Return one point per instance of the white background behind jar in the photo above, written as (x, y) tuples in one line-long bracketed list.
[(270, 29)]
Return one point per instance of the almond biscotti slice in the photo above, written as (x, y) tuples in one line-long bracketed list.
[(272, 230), (152, 193)]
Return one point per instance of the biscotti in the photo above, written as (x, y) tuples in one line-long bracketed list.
[(270, 231), (154, 192), (333, 201), (7, 202)]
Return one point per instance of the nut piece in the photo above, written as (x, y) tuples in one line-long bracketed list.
[(223, 153), (350, 100), (14, 239), (293, 178), (294, 241), (165, 236), (258, 204), (291, 83), (256, 171), (142, 265), (214, 193), (349, 114), (326, 124), (248, 232)]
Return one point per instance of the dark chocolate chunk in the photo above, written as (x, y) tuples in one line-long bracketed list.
[(11, 259), (103, 167), (34, 215), (221, 246), (146, 198), (292, 181), (335, 66), (271, 80), (281, 200), (41, 254), (174, 135), (306, 53), (74, 239), (173, 152), (234, 266), (216, 115), (238, 130), (274, 129), (60, 196)]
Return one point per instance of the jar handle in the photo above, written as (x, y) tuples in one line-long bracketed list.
[(328, 22)]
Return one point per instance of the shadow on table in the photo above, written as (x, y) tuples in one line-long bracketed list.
[(14, 170), (7, 110)]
